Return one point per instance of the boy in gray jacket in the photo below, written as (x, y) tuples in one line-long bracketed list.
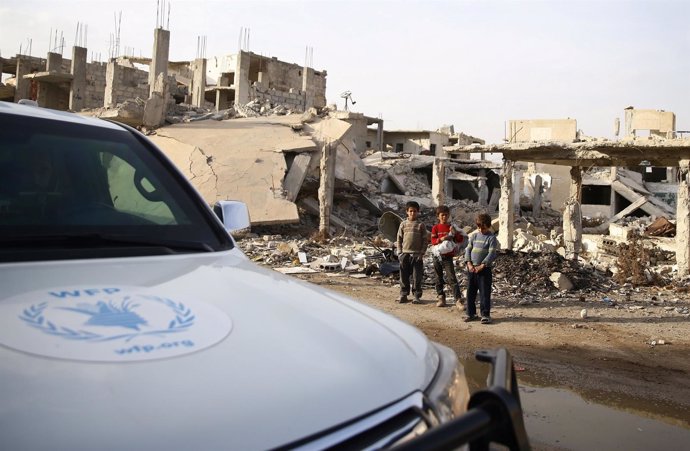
[(479, 255), (412, 242)]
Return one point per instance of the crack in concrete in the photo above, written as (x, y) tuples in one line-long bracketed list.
[(209, 163)]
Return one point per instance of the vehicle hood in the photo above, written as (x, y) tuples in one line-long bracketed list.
[(272, 359)]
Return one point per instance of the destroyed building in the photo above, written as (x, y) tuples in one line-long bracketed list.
[(624, 192), (641, 190), (344, 167), (77, 85)]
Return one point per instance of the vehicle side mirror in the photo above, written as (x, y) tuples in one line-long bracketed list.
[(233, 214)]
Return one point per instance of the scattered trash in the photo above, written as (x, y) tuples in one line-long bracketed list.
[(608, 301)]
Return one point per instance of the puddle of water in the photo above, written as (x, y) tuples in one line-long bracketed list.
[(561, 419)]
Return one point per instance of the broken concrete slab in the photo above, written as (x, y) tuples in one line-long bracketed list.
[(235, 160), (295, 270), (349, 165), (312, 206), (296, 175), (651, 206)]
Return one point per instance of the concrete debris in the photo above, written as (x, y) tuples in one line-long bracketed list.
[(653, 343), (130, 112), (523, 278), (561, 281), (529, 274)]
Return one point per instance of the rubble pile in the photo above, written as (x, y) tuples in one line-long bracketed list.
[(515, 273), (256, 108), (529, 273), (294, 254), (636, 260), (182, 112)]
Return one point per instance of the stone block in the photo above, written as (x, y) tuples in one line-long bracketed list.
[(561, 281)]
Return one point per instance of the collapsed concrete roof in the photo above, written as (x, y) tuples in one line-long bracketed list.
[(241, 159), (655, 152), (245, 159)]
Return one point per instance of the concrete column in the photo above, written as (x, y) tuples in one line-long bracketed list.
[(222, 100), (517, 190), (77, 91), (536, 199), (628, 123), (48, 92), (159, 61), (242, 84), (438, 182), (379, 135), (307, 80), (198, 87), (505, 207), (156, 104), (326, 187), (54, 62), (576, 183), (683, 220), (23, 87), (112, 83), (572, 216), (483, 192), (613, 175)]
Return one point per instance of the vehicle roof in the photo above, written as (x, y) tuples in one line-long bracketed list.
[(16, 109)]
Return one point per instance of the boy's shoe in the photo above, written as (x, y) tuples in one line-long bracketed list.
[(441, 301), (469, 318), (486, 320), (416, 300), (403, 300), (460, 306)]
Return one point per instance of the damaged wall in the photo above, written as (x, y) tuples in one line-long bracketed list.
[(416, 142), (534, 130), (267, 78), (657, 122), (241, 159), (124, 83)]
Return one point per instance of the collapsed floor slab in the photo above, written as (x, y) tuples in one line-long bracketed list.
[(241, 159)]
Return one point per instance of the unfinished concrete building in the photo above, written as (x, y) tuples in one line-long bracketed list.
[(246, 76), (76, 85)]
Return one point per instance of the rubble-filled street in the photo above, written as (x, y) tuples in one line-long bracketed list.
[(612, 343)]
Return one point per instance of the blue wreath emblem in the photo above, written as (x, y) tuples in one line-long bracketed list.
[(109, 314)]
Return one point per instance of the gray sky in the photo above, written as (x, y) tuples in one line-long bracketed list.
[(418, 64)]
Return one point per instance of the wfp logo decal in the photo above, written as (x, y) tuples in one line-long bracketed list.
[(109, 324), (108, 314)]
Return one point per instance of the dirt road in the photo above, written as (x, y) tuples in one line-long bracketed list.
[(634, 355)]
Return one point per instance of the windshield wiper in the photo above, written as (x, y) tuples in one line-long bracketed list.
[(101, 239)]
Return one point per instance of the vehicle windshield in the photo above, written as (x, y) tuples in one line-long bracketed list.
[(68, 186)]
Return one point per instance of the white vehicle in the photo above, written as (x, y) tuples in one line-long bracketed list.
[(130, 320)]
